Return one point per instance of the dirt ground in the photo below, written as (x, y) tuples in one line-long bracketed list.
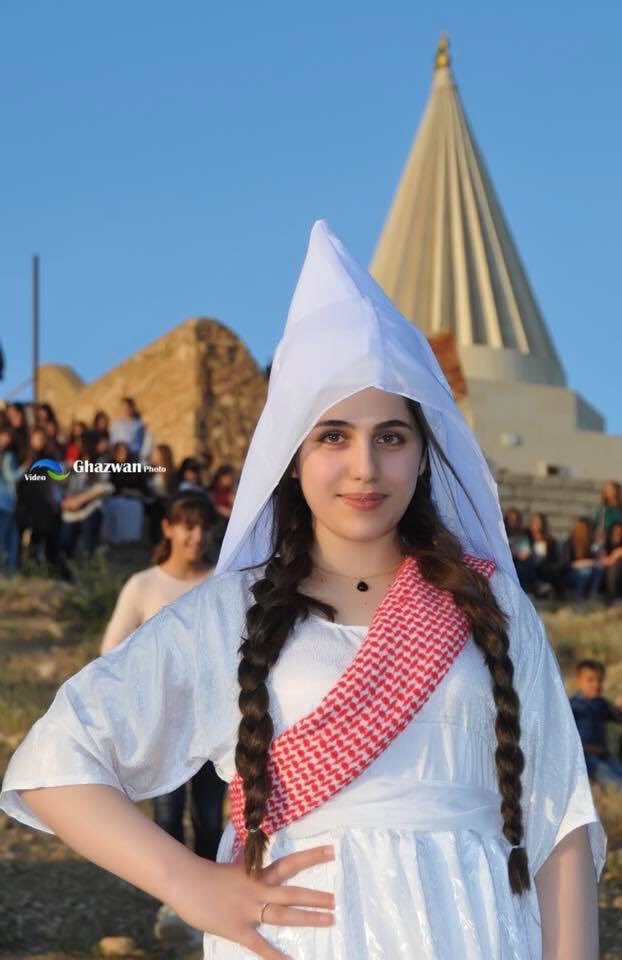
[(53, 903)]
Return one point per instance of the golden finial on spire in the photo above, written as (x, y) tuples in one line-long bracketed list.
[(442, 53)]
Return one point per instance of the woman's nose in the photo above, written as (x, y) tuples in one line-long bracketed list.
[(364, 463)]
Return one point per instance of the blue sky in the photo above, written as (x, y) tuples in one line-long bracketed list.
[(168, 160)]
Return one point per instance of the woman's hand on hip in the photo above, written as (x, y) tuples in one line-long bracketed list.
[(222, 899)]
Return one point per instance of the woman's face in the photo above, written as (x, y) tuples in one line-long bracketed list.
[(615, 535), (16, 416), (225, 481), (38, 438), (373, 447), (609, 492), (121, 453), (513, 519), (189, 540), (190, 475)]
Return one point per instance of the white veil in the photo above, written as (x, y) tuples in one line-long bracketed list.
[(342, 335)]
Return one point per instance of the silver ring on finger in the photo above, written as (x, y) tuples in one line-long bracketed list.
[(263, 911)]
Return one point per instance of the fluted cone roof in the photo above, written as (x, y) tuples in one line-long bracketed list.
[(446, 256)]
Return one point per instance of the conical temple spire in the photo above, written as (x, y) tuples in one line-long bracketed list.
[(446, 256)]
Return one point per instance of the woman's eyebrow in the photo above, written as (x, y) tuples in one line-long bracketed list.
[(383, 425)]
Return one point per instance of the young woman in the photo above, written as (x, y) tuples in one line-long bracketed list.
[(583, 566), (406, 777), (546, 553), (179, 565), (128, 427), (612, 563)]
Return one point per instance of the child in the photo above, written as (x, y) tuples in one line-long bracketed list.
[(592, 713), (364, 670)]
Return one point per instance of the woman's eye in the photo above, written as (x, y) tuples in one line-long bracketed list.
[(395, 437)]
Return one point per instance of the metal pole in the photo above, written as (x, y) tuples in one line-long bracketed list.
[(35, 329)]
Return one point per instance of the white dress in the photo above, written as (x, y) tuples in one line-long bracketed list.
[(421, 863)]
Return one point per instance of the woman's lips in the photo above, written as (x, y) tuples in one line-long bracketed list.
[(364, 501)]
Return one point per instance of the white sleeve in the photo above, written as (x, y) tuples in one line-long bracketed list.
[(143, 717), (557, 796)]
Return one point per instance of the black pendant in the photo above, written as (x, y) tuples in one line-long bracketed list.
[(361, 585)]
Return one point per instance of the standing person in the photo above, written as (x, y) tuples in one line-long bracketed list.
[(189, 475), (178, 566), (101, 425), (128, 427), (222, 489), (74, 447), (18, 422), (38, 505), (222, 494), (10, 473), (363, 667), (82, 504)]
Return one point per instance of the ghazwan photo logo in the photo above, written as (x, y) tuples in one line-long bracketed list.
[(53, 469)]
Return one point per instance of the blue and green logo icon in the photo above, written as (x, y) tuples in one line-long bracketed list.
[(54, 469)]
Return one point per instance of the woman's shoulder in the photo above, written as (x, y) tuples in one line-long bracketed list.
[(220, 599)]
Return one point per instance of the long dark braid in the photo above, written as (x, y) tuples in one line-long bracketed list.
[(278, 605)]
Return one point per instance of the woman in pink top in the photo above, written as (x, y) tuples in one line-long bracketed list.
[(179, 566)]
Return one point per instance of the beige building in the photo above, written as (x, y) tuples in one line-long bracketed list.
[(447, 259)]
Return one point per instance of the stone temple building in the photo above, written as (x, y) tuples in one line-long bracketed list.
[(197, 386), (447, 259)]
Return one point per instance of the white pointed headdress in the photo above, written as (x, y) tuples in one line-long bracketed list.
[(342, 335)]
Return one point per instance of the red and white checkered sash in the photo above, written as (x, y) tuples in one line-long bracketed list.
[(415, 635)]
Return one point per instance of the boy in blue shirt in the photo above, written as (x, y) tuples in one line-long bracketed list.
[(592, 713)]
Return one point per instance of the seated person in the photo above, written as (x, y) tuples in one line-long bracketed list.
[(547, 556), (583, 567), (611, 559), (522, 554), (592, 712)]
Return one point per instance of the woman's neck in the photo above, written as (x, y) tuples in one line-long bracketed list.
[(181, 569), (351, 558)]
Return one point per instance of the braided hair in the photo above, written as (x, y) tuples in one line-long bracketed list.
[(278, 605)]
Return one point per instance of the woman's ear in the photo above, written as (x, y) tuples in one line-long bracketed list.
[(423, 462)]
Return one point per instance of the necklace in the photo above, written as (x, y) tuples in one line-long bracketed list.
[(362, 583)]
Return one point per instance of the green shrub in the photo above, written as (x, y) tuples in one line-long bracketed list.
[(93, 594)]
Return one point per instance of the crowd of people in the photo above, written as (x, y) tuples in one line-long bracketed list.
[(46, 521), (586, 563)]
